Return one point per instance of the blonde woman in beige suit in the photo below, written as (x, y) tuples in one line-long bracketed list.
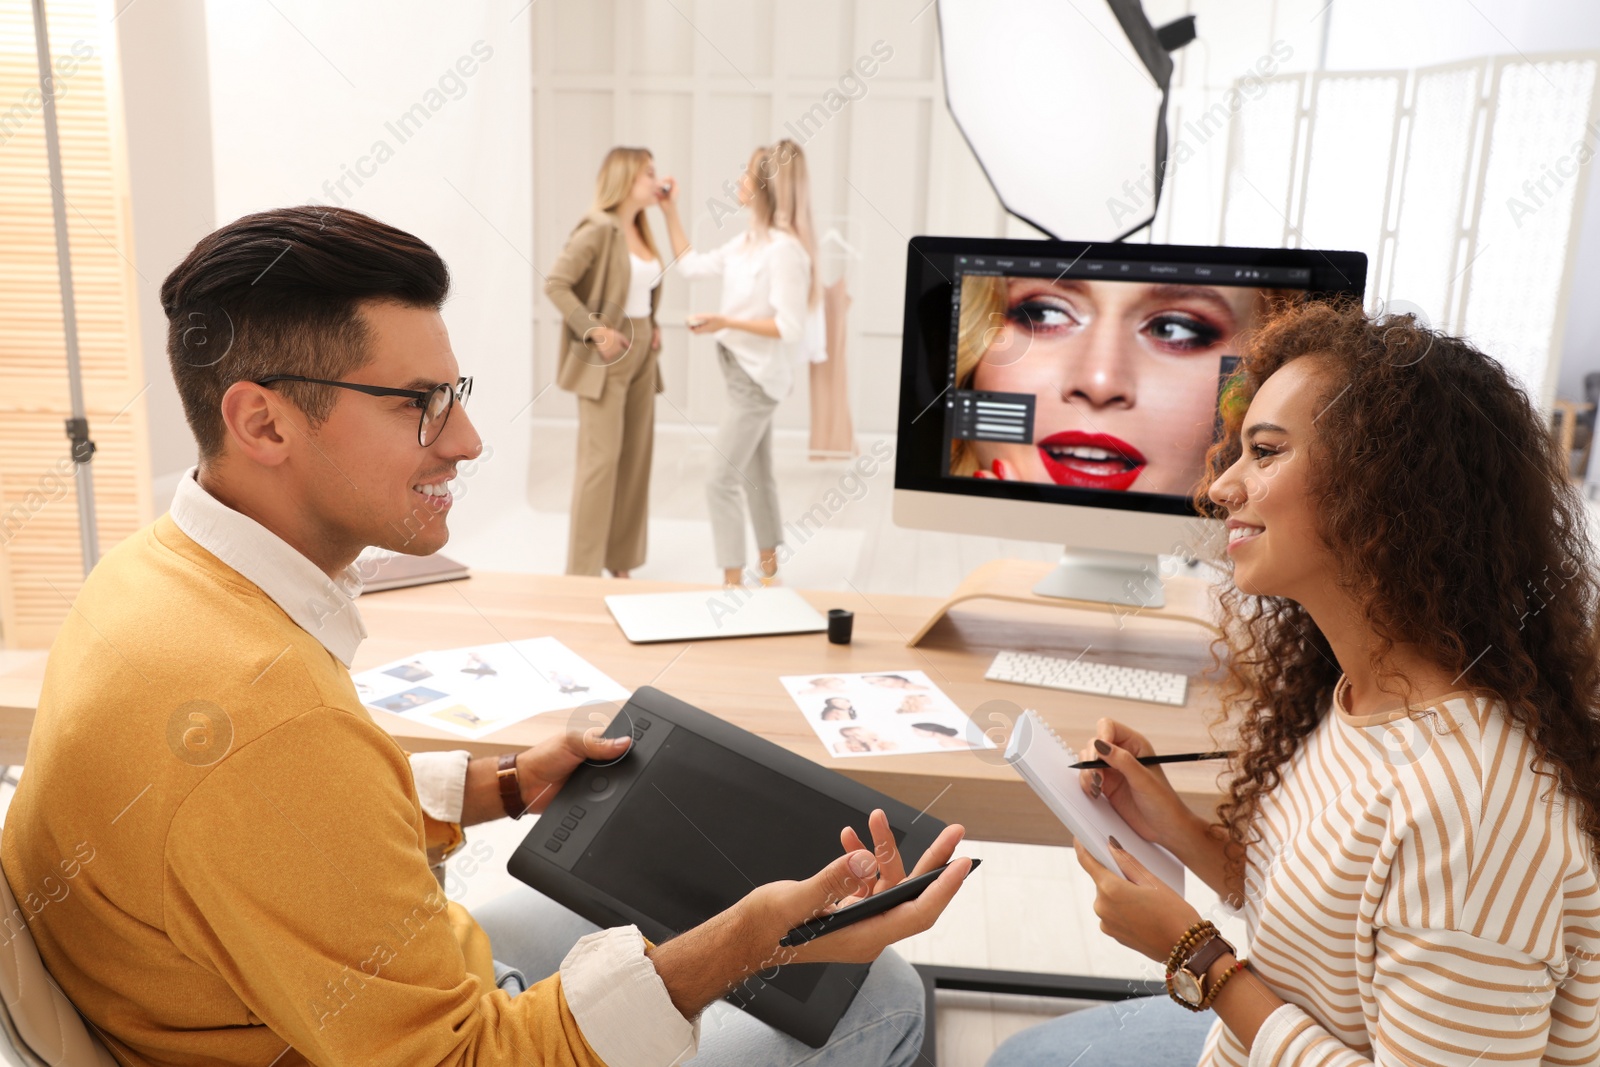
[(607, 284)]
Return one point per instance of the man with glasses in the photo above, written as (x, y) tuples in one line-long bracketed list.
[(220, 855), (432, 401)]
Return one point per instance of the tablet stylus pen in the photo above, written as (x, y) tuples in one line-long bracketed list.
[(1183, 757), (812, 929)]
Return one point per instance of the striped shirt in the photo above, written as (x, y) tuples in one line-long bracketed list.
[(1420, 895)]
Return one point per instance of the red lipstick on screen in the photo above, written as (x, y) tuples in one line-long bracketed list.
[(1090, 460)]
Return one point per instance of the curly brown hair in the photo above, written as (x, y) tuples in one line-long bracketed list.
[(1438, 487)]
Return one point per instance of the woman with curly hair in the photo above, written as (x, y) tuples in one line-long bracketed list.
[(1411, 823)]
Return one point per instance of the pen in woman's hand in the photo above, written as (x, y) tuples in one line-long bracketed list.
[(1183, 757)]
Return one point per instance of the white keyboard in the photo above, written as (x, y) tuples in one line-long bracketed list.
[(1085, 676)]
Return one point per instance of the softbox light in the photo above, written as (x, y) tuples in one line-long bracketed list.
[(1064, 104)]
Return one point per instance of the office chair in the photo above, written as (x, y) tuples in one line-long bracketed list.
[(41, 1027)]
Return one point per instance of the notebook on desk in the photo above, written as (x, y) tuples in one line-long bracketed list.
[(400, 572), (1045, 763)]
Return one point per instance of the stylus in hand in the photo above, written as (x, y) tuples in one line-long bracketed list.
[(866, 908), (1150, 761)]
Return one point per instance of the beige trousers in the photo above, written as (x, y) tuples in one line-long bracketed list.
[(611, 487)]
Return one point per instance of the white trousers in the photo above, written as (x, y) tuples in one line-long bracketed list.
[(741, 471)]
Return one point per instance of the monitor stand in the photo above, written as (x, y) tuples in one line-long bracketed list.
[(1131, 579), (1183, 597)]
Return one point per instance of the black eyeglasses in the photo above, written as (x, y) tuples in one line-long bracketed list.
[(436, 402)]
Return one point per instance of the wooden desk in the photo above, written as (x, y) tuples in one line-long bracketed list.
[(737, 679)]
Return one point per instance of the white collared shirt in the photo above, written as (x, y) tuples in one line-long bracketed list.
[(612, 988)]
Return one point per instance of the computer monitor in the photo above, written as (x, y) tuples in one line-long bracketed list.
[(1062, 391)]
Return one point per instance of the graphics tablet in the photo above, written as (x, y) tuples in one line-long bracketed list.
[(690, 819)]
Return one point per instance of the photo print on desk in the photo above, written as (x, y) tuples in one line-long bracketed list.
[(410, 671), (472, 692), (882, 712), (404, 701)]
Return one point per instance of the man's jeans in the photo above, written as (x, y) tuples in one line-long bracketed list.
[(531, 934)]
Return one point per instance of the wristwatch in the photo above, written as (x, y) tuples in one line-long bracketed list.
[(510, 786), (1188, 983)]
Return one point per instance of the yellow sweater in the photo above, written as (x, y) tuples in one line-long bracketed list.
[(278, 895)]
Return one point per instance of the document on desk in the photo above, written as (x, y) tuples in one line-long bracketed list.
[(1045, 763), (886, 713), (475, 691)]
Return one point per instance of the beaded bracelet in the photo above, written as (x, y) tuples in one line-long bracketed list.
[(1216, 987), (1192, 937)]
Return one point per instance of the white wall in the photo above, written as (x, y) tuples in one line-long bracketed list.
[(1379, 34), (300, 91), (701, 83), (304, 94), (167, 103)]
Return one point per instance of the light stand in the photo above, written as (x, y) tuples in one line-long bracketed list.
[(78, 424)]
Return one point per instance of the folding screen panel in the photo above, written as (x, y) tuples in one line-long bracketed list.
[(1458, 182)]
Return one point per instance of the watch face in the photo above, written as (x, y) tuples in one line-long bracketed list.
[(1186, 986)]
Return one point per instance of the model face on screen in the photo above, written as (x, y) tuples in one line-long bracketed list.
[(1124, 376)]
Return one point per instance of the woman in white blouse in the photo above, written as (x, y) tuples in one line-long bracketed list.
[(767, 287)]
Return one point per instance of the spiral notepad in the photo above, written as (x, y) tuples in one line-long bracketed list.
[(1045, 763)]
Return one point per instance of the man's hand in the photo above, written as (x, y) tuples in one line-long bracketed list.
[(545, 768), (792, 903), (541, 771), (741, 944)]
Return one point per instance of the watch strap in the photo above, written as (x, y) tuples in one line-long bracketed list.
[(510, 786), (1193, 936), (1201, 959), (1197, 961)]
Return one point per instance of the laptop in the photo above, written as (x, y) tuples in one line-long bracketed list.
[(699, 615)]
